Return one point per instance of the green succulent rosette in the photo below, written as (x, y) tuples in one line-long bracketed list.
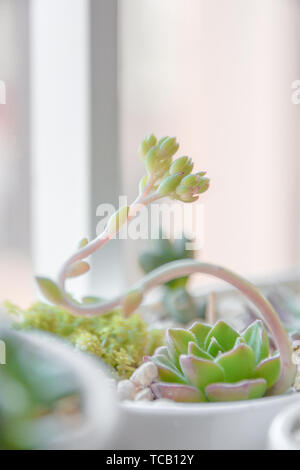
[(215, 364)]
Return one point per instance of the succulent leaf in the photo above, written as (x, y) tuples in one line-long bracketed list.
[(214, 348), (50, 290), (224, 334), (162, 350), (179, 393), (83, 242), (256, 337), (78, 269), (238, 364), (201, 372), (269, 369), (167, 371), (195, 350), (200, 331), (178, 341), (244, 390)]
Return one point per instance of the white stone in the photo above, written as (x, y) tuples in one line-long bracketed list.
[(144, 395), (145, 374), (126, 390)]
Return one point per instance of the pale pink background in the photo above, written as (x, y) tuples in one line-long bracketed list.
[(218, 74)]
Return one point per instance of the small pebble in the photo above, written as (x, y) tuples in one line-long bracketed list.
[(126, 390), (144, 395), (145, 374), (296, 357)]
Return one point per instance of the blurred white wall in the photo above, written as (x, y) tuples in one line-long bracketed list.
[(217, 74), (15, 264)]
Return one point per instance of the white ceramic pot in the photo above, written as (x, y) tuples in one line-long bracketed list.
[(284, 433), (99, 403), (206, 426)]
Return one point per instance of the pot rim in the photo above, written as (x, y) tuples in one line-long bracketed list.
[(173, 408)]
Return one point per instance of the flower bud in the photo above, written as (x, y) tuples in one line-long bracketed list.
[(117, 220), (169, 184), (163, 167), (146, 145), (182, 164), (187, 184), (188, 198), (169, 147), (152, 159), (162, 140), (190, 186), (203, 185)]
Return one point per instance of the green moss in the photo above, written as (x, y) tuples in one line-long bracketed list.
[(120, 342)]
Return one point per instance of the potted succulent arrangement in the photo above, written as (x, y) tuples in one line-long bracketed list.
[(204, 386)]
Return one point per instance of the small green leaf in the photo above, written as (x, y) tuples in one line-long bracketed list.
[(269, 369), (200, 372), (200, 330), (194, 350), (238, 364), (214, 347), (178, 341), (162, 350), (77, 269), (256, 337), (83, 242), (224, 334), (166, 369), (50, 290), (245, 390)]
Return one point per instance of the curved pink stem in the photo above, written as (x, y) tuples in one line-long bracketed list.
[(183, 268)]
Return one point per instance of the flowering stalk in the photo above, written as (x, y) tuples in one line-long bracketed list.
[(164, 178)]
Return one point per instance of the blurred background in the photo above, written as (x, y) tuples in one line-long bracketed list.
[(86, 80)]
